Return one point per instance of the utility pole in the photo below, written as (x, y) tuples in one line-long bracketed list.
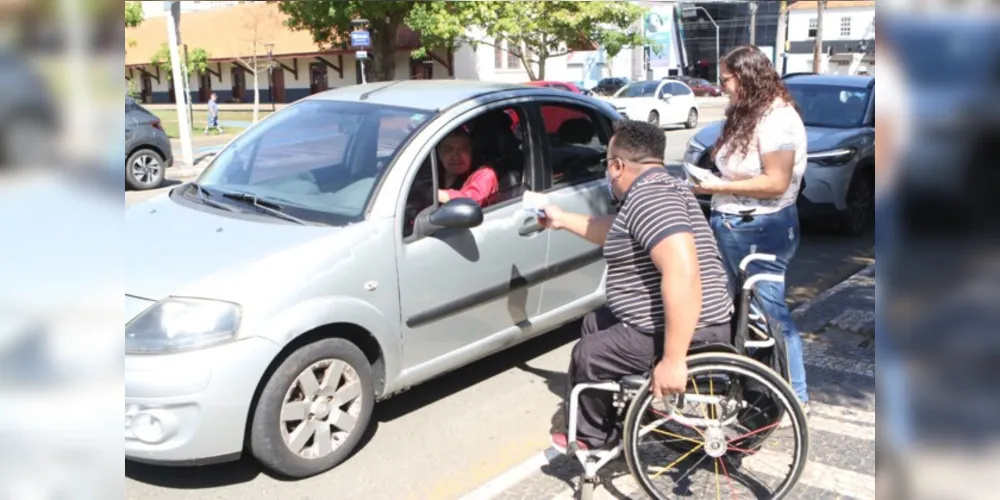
[(187, 87), (818, 47), (781, 41), (753, 23), (173, 37)]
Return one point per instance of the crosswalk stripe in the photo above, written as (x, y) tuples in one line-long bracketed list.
[(816, 475)]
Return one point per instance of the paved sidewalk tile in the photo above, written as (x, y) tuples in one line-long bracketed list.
[(841, 375)]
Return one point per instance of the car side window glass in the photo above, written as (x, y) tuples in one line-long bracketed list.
[(578, 143), (683, 89), (496, 144)]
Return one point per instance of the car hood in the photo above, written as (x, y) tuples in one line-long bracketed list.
[(626, 102), (820, 138), (173, 249)]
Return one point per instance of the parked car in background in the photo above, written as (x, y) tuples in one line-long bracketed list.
[(701, 87), (609, 86), (310, 270), (567, 86), (839, 114), (659, 102), (148, 153)]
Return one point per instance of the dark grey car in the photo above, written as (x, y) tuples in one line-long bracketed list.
[(839, 114), (147, 148)]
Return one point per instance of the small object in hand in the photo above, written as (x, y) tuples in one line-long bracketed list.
[(537, 212)]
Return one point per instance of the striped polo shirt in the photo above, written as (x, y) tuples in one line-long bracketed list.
[(655, 207)]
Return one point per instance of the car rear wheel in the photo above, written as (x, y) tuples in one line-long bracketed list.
[(860, 213), (314, 409), (144, 170), (692, 120), (653, 118)]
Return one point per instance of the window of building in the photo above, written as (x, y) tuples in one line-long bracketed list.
[(813, 27), (578, 142), (845, 26), (498, 54), (513, 56)]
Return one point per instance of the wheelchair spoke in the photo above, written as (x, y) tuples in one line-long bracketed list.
[(678, 437), (729, 480), (758, 431), (679, 460)]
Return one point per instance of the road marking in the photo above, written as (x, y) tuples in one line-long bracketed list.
[(843, 413), (816, 475), (509, 479)]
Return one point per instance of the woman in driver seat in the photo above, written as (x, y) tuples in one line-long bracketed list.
[(458, 177)]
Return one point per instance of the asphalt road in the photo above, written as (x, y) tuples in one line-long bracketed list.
[(445, 438)]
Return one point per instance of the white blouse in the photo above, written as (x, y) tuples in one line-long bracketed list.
[(780, 129)]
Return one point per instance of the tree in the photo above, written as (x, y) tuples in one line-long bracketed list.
[(260, 25), (536, 31), (197, 62), (440, 24), (133, 14)]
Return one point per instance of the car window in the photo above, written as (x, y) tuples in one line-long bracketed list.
[(638, 89), (831, 106), (319, 159), (497, 143), (578, 143), (680, 89)]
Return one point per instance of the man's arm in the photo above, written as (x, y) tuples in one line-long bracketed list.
[(677, 259), (594, 229)]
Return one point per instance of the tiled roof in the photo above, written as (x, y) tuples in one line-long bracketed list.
[(226, 33), (809, 5)]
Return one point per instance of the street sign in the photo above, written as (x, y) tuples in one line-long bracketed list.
[(689, 11), (361, 54), (361, 38)]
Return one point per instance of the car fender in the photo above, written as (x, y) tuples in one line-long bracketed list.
[(308, 315)]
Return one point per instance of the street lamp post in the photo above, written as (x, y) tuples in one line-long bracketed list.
[(718, 76), (270, 76)]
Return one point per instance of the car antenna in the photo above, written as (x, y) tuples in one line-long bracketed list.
[(366, 95)]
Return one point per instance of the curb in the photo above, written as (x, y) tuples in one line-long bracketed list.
[(496, 486)]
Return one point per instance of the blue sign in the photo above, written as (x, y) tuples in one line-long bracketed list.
[(361, 39)]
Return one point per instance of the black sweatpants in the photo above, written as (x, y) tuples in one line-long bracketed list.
[(608, 351)]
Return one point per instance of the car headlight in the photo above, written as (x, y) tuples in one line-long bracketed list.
[(178, 324), (696, 147), (833, 157)]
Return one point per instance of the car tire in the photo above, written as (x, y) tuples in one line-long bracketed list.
[(272, 437), (653, 118), (145, 169), (859, 216), (692, 120)]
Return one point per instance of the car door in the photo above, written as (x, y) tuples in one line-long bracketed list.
[(131, 125), (573, 178), (467, 293), (684, 101)]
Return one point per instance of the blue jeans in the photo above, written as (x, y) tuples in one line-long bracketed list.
[(777, 234)]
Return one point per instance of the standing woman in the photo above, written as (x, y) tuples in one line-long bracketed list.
[(762, 157)]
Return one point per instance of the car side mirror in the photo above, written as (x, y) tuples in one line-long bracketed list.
[(461, 213)]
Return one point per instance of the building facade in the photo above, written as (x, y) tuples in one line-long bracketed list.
[(848, 37)]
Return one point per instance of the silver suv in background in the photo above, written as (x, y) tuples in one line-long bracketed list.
[(148, 152), (839, 114)]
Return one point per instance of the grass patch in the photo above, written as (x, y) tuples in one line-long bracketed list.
[(168, 119)]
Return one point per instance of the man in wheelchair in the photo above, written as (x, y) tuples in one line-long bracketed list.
[(665, 283)]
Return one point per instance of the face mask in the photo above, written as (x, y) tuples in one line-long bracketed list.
[(607, 183)]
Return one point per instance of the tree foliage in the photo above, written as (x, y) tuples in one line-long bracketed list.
[(197, 62), (133, 14), (536, 31)]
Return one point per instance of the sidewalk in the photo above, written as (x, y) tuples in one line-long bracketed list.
[(205, 148), (837, 326)]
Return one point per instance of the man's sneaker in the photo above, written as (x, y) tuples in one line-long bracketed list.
[(560, 441), (786, 421)]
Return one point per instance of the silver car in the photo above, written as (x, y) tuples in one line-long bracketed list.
[(309, 271), (839, 114)]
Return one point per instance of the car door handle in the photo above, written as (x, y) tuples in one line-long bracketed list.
[(531, 226)]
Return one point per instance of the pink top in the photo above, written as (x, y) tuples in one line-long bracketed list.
[(477, 187)]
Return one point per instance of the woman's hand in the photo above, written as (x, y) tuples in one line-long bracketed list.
[(710, 185)]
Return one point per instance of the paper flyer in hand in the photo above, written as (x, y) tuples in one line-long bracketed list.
[(698, 175), (533, 202)]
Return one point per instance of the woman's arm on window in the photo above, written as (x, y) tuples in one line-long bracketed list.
[(478, 187)]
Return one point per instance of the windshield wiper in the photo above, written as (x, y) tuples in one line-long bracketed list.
[(271, 208), (205, 197)]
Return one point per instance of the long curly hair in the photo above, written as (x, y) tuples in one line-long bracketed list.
[(759, 86)]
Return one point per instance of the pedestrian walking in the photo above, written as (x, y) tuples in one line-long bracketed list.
[(665, 285), (213, 114), (762, 157)]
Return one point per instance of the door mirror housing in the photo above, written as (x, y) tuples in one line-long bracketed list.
[(460, 213)]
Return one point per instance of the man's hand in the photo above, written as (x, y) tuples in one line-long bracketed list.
[(669, 378), (554, 217)]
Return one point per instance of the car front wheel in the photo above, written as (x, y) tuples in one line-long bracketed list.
[(314, 409), (653, 118), (144, 170), (692, 120), (860, 213)]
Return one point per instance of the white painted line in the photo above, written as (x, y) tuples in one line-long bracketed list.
[(856, 417), (509, 479), (832, 426), (816, 475)]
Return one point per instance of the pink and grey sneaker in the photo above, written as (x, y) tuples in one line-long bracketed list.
[(560, 441)]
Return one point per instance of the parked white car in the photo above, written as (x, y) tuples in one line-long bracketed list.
[(661, 103)]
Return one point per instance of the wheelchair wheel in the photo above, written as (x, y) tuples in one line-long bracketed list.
[(722, 437)]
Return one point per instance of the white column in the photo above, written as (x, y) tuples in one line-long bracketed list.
[(183, 120)]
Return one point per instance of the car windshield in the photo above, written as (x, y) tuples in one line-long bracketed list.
[(316, 160), (639, 89), (831, 106)]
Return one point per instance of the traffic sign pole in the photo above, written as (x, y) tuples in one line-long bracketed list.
[(361, 39)]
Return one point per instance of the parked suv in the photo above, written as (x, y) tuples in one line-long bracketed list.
[(147, 148), (839, 114)]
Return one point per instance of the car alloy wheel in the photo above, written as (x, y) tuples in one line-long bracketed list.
[(321, 409), (692, 120), (653, 118), (144, 170)]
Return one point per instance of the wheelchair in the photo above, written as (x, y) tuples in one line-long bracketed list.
[(724, 430)]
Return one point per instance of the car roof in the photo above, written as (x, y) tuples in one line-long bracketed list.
[(855, 81), (430, 95)]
